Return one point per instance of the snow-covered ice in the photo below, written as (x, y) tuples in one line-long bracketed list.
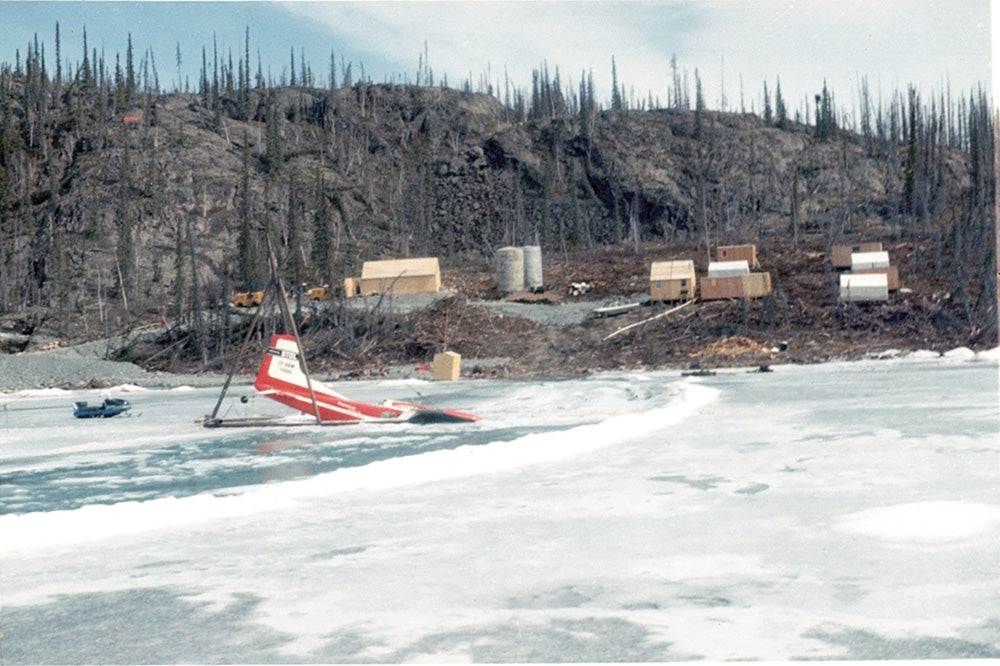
[(841, 511)]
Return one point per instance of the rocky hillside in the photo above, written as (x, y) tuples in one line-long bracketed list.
[(116, 212)]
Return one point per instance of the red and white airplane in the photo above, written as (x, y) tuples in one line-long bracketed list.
[(281, 378)]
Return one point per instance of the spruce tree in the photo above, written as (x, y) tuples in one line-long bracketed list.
[(273, 154), (699, 105), (246, 259), (179, 60), (179, 287), (293, 229), (59, 74), (767, 106), (125, 255), (780, 113), (84, 72), (826, 120), (321, 253), (129, 72)]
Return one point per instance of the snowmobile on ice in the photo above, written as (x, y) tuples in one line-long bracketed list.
[(108, 408)]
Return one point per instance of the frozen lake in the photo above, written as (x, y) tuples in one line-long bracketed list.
[(844, 511)]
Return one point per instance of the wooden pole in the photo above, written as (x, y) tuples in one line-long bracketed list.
[(243, 347), (286, 313)]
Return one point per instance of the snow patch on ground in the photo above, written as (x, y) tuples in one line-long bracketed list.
[(128, 388), (41, 393), (922, 355), (938, 522), (960, 354), (989, 355)]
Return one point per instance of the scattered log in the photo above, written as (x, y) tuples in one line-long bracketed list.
[(649, 319)]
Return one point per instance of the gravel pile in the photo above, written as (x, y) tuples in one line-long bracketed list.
[(398, 303), (82, 366)]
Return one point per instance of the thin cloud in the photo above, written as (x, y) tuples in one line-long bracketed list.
[(894, 42), (891, 42)]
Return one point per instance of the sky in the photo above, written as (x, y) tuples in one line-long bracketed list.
[(736, 45)]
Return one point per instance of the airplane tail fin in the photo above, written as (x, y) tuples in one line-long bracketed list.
[(280, 377), (281, 369)]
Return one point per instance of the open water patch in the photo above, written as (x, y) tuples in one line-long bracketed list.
[(586, 639), (701, 483), (567, 596), (860, 644), (752, 489), (140, 626)]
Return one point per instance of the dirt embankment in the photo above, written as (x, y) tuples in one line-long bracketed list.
[(800, 322)]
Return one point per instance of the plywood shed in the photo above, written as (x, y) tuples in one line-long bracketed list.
[(756, 285), (721, 269), (672, 280), (747, 253), (855, 287), (399, 276), (840, 255), (862, 260), (891, 273)]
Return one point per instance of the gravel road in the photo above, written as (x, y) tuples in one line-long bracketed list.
[(562, 314)]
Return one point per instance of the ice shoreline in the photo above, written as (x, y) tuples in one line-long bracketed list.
[(82, 367)]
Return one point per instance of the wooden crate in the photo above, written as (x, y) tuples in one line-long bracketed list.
[(840, 255), (860, 288), (447, 366), (891, 273), (863, 260)]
